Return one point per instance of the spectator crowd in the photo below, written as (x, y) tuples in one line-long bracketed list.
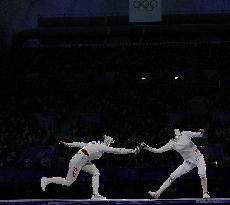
[(130, 93)]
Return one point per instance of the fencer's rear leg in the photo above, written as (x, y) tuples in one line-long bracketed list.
[(182, 169), (73, 172)]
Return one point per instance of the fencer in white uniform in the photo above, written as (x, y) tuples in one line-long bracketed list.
[(191, 155), (82, 161)]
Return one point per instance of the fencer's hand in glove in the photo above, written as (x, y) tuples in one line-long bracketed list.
[(61, 142), (137, 150), (201, 130), (143, 145)]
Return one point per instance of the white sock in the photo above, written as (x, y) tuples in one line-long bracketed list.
[(164, 186), (204, 184), (95, 184)]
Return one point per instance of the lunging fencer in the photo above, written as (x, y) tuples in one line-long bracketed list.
[(82, 161), (191, 155)]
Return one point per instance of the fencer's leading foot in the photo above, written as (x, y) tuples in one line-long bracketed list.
[(43, 183), (155, 195), (206, 195), (97, 196)]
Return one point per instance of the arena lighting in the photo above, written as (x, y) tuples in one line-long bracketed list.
[(176, 77)]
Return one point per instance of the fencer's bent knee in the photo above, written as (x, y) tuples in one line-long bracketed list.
[(96, 172), (171, 178), (68, 183), (203, 176)]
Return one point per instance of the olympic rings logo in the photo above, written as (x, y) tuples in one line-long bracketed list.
[(148, 5)]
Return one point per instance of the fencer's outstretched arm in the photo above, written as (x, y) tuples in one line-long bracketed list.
[(165, 148), (121, 150), (195, 134), (74, 144)]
